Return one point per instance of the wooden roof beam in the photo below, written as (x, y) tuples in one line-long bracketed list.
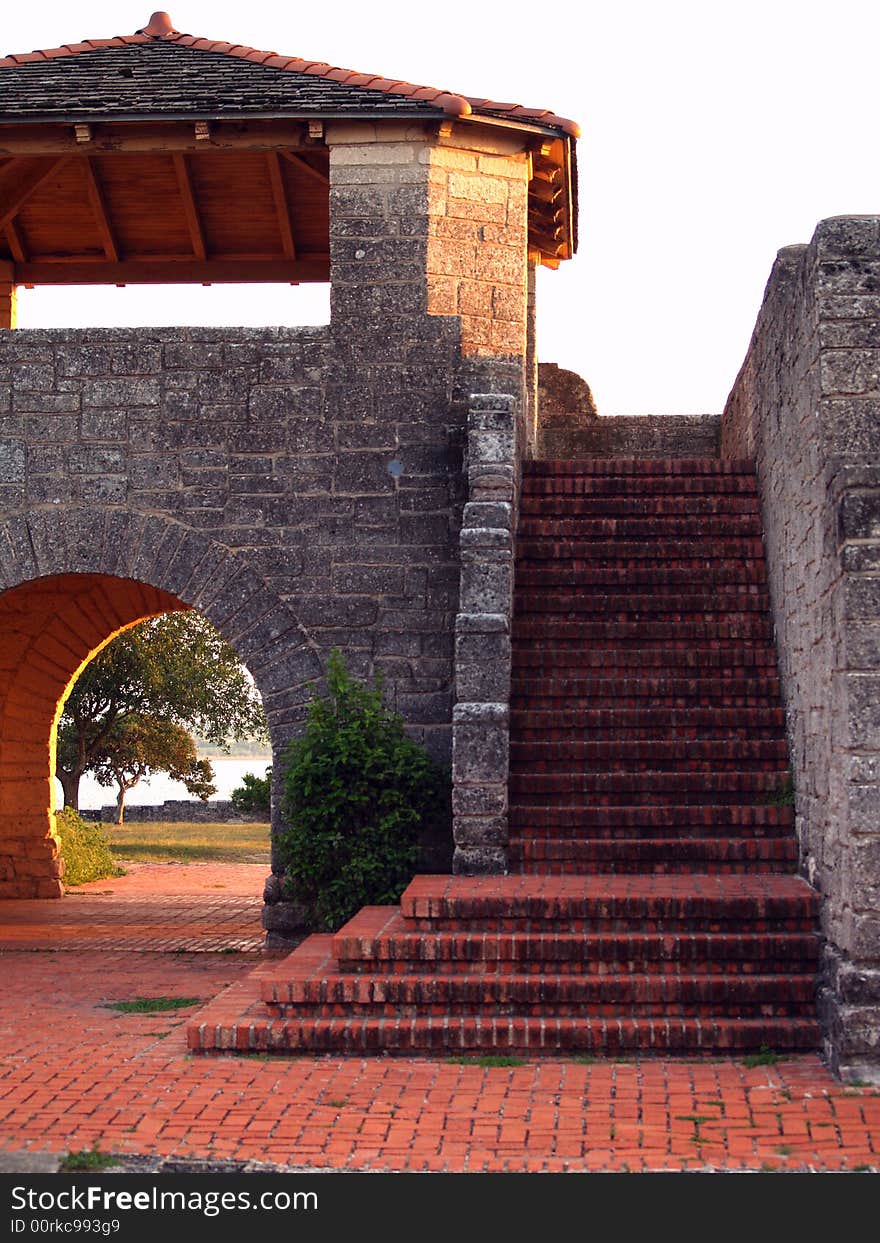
[(16, 246), (99, 210), (305, 167), (282, 207), (18, 181), (190, 207)]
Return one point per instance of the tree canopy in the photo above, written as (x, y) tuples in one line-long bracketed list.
[(176, 669)]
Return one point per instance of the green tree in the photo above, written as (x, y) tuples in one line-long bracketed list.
[(175, 668), (138, 745), (359, 792), (254, 795)]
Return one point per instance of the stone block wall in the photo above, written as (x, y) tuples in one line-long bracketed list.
[(806, 406)]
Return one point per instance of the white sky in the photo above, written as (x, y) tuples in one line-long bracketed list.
[(712, 136)]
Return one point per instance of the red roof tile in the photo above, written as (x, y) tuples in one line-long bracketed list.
[(160, 28)]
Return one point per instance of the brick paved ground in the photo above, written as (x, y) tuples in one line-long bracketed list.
[(76, 1073)]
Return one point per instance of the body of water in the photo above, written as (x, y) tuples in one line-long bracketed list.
[(228, 772)]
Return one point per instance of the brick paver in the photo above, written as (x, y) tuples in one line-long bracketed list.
[(75, 1072)]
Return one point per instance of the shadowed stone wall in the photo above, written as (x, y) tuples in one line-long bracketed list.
[(806, 406)]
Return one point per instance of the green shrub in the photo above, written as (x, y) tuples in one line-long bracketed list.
[(254, 795), (358, 795), (84, 849)]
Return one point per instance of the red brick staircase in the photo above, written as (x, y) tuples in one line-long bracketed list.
[(652, 903)]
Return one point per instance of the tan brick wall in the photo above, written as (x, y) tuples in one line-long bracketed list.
[(477, 264)]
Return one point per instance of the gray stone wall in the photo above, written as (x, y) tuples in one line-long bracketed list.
[(806, 406), (340, 493), (176, 810), (641, 436)]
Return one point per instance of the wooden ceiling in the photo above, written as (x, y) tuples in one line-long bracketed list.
[(158, 209)]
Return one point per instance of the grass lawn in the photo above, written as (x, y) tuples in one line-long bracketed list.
[(184, 842)]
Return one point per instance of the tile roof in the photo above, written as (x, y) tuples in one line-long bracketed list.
[(159, 71)]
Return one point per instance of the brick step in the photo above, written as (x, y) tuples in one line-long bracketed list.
[(573, 693), (514, 1035), (638, 468), (694, 903), (664, 659), (656, 754), (311, 986), (659, 720), (378, 939), (584, 577), (613, 554), (743, 820), (667, 855), (637, 505), (641, 485), (656, 527), (630, 789), (714, 604), (551, 627), (648, 734)]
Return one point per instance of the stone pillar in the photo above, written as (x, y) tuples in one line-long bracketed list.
[(481, 717)]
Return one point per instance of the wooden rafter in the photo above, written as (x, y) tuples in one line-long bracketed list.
[(99, 210), (282, 207), (304, 166), (18, 181), (16, 245), (190, 207)]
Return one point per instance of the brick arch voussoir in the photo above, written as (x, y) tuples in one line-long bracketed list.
[(199, 571)]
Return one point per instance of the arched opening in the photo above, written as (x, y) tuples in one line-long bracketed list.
[(49, 629)]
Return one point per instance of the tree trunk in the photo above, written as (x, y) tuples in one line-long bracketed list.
[(70, 785), (120, 805)]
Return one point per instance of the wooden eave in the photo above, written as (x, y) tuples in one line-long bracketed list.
[(178, 201)]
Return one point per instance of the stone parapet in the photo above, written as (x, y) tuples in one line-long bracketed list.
[(806, 407)]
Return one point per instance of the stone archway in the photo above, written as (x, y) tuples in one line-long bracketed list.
[(69, 583)]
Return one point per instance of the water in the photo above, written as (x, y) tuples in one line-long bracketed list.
[(228, 772)]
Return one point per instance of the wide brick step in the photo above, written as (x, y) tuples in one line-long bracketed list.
[(631, 789), (379, 939), (308, 987), (655, 755), (582, 576), (714, 604), (695, 903), (652, 720), (657, 527), (638, 506), (516, 1035), (729, 689), (638, 468), (665, 659), (620, 553), (671, 855), (641, 485), (553, 627), (539, 820)]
